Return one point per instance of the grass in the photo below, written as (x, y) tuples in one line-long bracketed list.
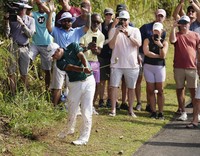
[(32, 125)]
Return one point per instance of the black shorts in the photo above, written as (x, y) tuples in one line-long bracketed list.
[(104, 72)]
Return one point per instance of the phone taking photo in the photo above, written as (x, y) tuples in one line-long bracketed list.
[(94, 39), (155, 37)]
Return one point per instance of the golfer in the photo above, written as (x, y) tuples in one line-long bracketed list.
[(81, 87)]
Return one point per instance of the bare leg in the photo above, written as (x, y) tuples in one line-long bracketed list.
[(102, 89), (25, 81), (181, 98), (150, 91), (131, 96), (113, 99), (160, 97), (138, 89), (12, 82), (47, 79), (56, 96)]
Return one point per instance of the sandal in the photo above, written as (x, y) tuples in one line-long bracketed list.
[(191, 126)]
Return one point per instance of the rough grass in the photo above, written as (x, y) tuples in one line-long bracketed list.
[(110, 136)]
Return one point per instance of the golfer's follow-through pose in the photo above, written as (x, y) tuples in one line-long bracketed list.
[(81, 87), (124, 41)]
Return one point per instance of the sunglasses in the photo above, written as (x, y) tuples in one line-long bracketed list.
[(191, 11), (94, 21), (66, 20), (123, 19), (108, 14)]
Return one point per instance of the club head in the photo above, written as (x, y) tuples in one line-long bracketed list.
[(116, 59)]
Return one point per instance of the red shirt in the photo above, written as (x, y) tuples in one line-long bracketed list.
[(185, 50)]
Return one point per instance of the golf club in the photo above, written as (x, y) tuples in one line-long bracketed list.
[(116, 60)]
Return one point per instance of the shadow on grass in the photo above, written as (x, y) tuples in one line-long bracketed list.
[(170, 86)]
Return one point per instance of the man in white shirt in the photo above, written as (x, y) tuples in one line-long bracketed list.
[(124, 41)]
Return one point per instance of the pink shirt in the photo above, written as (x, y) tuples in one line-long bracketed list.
[(124, 49), (185, 50)]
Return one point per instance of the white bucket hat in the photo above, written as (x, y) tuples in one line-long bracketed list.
[(66, 15)]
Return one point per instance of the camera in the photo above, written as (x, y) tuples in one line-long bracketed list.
[(13, 8)]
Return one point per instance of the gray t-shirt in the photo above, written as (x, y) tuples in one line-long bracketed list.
[(21, 34), (195, 26)]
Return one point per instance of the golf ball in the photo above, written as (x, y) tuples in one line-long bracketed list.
[(155, 91)]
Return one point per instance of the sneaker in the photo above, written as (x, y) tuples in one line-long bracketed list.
[(124, 106), (148, 108), (161, 116), (94, 111), (190, 105), (101, 103), (79, 142), (112, 114), (108, 103), (138, 106), (153, 115), (183, 116), (132, 115)]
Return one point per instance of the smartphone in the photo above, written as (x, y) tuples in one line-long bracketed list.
[(156, 37), (94, 39)]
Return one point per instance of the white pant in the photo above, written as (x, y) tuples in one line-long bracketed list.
[(81, 92)]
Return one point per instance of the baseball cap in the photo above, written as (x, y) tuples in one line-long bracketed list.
[(184, 20), (161, 12), (158, 26), (66, 15), (120, 7), (51, 49), (108, 11), (124, 14)]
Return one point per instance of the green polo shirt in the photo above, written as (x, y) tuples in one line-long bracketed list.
[(70, 57)]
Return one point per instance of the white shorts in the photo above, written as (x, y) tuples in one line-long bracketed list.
[(154, 73), (130, 76), (58, 77), (42, 50)]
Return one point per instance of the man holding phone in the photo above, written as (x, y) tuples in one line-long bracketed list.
[(92, 42)]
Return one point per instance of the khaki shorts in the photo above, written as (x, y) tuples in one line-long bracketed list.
[(189, 75), (19, 57), (42, 50)]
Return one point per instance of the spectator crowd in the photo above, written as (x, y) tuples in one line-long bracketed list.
[(89, 57)]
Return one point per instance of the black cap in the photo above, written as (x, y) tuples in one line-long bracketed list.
[(120, 7)]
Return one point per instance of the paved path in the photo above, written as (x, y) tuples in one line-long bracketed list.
[(173, 140)]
